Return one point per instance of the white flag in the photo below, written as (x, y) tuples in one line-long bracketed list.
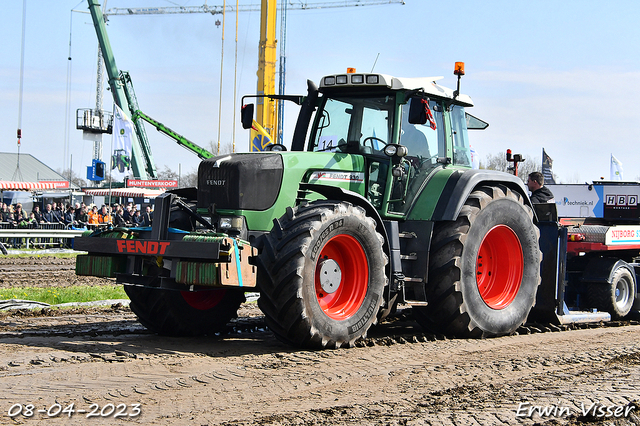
[(475, 158), (616, 168), (122, 144)]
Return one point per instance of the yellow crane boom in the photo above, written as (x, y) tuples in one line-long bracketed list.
[(266, 113)]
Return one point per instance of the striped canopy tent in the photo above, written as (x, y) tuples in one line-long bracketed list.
[(25, 186), (126, 192)]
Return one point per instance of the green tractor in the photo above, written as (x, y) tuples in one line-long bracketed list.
[(374, 204), (120, 161)]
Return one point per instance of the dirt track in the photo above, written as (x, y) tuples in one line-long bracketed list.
[(43, 271), (104, 357)]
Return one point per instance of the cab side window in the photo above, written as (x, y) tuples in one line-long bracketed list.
[(461, 149)]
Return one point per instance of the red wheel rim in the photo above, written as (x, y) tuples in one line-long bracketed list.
[(499, 267), (348, 253), (203, 300)]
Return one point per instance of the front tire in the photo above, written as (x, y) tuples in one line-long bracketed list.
[(184, 313), (322, 275), (484, 268)]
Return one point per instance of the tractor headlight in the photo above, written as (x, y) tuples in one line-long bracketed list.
[(391, 150), (395, 150), (372, 79), (357, 79), (233, 223), (329, 81)]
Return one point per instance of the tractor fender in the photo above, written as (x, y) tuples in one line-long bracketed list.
[(462, 183), (601, 270), (341, 194)]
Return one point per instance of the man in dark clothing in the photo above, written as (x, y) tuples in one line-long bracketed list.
[(47, 215), (69, 216), (127, 213), (147, 217), (539, 192), (37, 214), (56, 211)]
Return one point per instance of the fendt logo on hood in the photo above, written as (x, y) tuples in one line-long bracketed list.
[(216, 182)]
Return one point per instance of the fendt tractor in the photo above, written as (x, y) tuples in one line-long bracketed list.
[(373, 205)]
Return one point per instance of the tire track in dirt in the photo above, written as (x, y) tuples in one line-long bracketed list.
[(256, 380), (44, 271)]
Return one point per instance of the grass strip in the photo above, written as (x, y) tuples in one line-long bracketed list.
[(56, 295), (39, 254)]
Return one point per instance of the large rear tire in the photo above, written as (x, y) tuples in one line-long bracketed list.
[(322, 275), (184, 313), (484, 268)]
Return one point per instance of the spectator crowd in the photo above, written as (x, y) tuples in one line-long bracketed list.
[(75, 216)]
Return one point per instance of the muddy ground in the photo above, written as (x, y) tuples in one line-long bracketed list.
[(43, 271), (110, 368)]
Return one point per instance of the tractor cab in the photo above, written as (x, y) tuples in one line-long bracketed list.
[(406, 128)]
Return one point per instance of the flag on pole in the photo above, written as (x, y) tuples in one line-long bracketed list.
[(122, 143), (547, 168), (260, 138), (616, 168), (475, 158)]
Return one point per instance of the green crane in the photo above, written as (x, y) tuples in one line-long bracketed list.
[(137, 115), (124, 96), (142, 161)]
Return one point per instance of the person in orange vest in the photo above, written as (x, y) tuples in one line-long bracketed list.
[(105, 216), (94, 216)]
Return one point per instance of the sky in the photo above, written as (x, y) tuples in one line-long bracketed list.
[(558, 75)]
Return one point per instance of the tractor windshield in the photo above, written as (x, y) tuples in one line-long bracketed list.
[(354, 124)]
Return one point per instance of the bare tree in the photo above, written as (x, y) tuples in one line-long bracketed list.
[(499, 162), (186, 180), (189, 179), (71, 176), (167, 174), (495, 162), (225, 148)]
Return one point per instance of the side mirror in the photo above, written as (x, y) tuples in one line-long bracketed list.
[(418, 111), (246, 115)]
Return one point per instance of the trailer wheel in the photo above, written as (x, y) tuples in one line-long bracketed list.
[(484, 268), (322, 273), (184, 313), (617, 297)]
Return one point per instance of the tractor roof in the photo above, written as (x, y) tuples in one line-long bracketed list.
[(428, 84)]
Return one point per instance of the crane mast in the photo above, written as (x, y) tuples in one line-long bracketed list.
[(266, 114), (142, 164)]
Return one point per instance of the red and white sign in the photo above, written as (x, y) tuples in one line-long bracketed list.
[(148, 183), (125, 192), (58, 184), (622, 235), (30, 186)]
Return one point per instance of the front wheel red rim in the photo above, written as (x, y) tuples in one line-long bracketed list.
[(203, 300), (347, 252), (499, 267)]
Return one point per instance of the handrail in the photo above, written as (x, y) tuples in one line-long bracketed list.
[(9, 236), (40, 233)]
